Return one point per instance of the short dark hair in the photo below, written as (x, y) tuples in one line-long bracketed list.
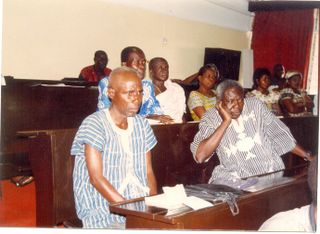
[(100, 52), (127, 51), (258, 73), (154, 60)]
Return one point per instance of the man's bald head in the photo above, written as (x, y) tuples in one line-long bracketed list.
[(118, 76), (125, 91)]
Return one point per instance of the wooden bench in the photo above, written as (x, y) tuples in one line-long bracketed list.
[(52, 114), (28, 105), (52, 164)]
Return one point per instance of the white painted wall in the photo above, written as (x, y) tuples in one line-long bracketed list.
[(232, 14), (246, 68), (53, 39)]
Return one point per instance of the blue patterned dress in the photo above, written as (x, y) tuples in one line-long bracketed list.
[(150, 105)]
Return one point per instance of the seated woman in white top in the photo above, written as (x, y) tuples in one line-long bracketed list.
[(262, 91), (170, 95), (204, 97)]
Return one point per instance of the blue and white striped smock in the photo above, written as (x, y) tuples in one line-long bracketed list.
[(249, 147), (149, 106), (124, 167)]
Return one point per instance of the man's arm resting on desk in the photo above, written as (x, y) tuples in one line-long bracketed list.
[(95, 169), (306, 155)]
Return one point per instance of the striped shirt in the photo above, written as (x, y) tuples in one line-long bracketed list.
[(149, 106), (250, 146), (197, 99), (123, 154), (288, 93)]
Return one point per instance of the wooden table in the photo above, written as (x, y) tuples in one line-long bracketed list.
[(48, 151), (254, 209)]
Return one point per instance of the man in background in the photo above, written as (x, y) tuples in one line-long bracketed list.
[(170, 95), (97, 71), (277, 79), (134, 57)]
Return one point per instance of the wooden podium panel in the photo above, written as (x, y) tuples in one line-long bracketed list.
[(254, 209)]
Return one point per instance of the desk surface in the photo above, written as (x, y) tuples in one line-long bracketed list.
[(254, 209)]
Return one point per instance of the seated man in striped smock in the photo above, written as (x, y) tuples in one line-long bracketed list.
[(248, 139), (112, 150)]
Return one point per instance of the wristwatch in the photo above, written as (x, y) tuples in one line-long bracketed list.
[(307, 156)]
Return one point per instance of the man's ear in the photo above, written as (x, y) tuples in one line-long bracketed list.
[(111, 93), (123, 64), (150, 73)]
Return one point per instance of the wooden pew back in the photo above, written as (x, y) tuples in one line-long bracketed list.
[(172, 163), (62, 109), (26, 107), (52, 166)]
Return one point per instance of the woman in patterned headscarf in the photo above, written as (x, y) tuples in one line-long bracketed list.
[(295, 101)]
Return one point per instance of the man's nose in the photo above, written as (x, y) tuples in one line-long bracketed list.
[(142, 66), (236, 104), (136, 95)]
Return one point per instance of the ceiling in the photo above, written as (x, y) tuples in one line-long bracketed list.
[(232, 14), (225, 13)]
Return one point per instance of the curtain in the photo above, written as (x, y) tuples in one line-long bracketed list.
[(283, 37), (312, 82)]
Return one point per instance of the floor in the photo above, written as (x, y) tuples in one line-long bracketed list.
[(17, 205)]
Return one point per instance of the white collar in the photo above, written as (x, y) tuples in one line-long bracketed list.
[(122, 132)]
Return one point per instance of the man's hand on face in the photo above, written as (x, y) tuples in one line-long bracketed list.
[(225, 115)]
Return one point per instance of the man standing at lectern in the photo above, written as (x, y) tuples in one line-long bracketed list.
[(112, 150)]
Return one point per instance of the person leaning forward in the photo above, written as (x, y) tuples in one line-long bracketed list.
[(112, 150), (134, 57), (246, 136)]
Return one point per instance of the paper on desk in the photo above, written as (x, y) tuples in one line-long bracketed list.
[(171, 198), (196, 203), (175, 198), (162, 201), (154, 122), (60, 85), (176, 193)]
